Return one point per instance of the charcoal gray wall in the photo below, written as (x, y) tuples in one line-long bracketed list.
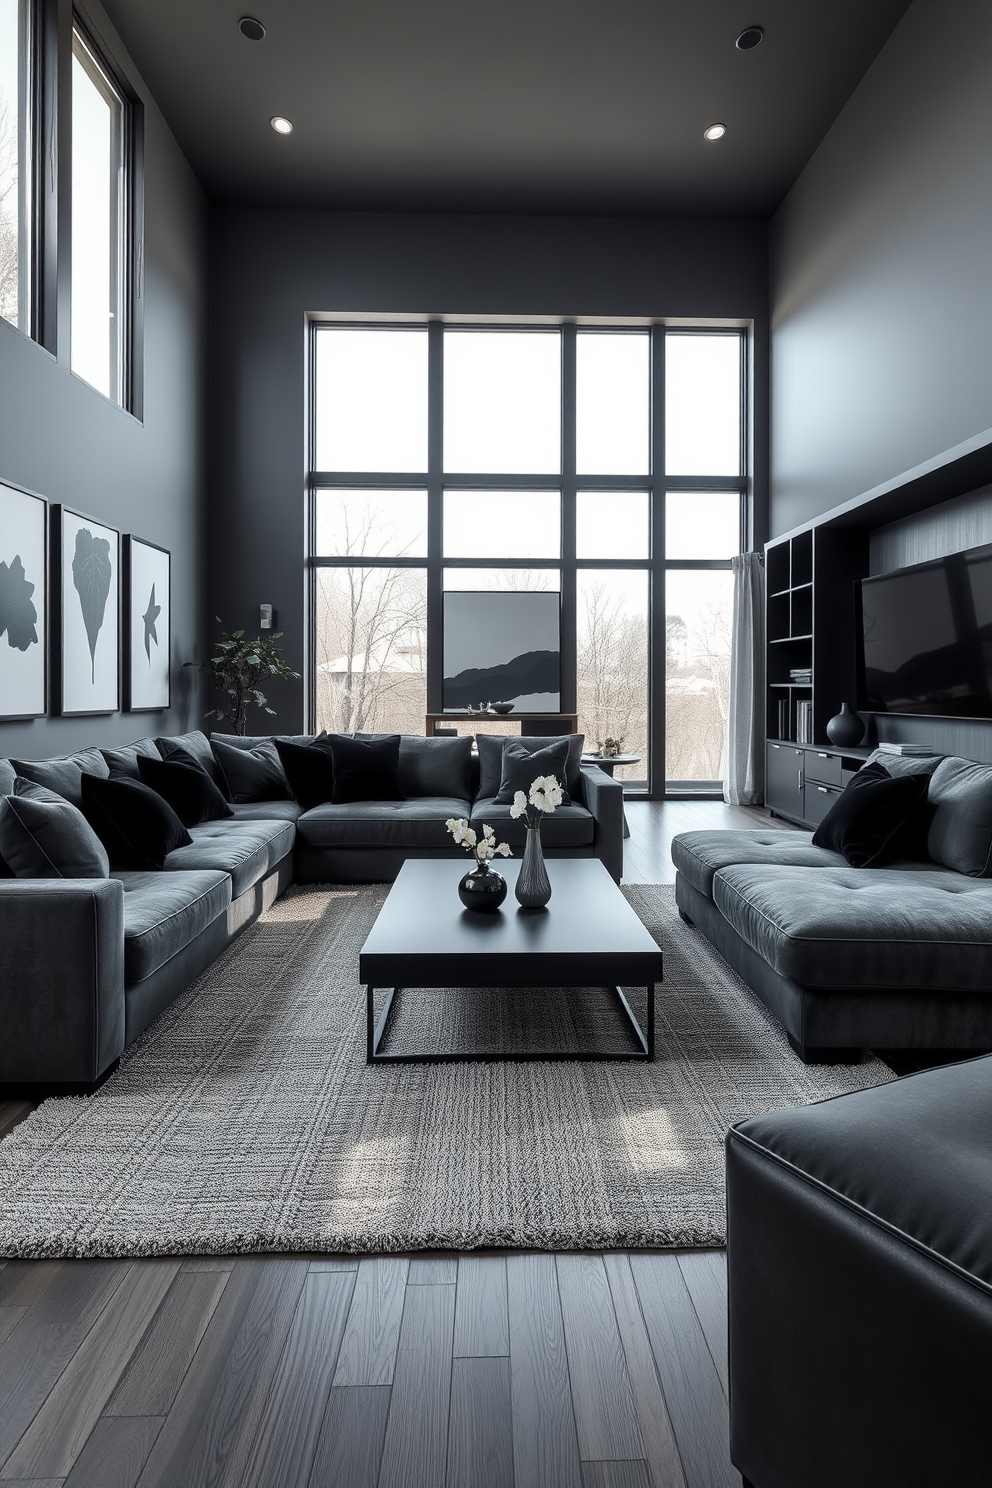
[(268, 269), (881, 292), (66, 442)]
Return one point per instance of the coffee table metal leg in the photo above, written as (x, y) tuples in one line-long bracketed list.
[(374, 1032)]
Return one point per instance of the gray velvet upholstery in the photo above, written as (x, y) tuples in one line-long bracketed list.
[(62, 973), (905, 764), (960, 835), (490, 748), (435, 767), (408, 824), (569, 826), (125, 759), (165, 911), (7, 777), (698, 855), (826, 927), (246, 850), (252, 774), (252, 741), (63, 775), (602, 797), (284, 811), (196, 744), (44, 836)]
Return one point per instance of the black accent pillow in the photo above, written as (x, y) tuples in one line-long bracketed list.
[(522, 766), (187, 787), (309, 769), (870, 820), (42, 835), (251, 774), (136, 826), (366, 769)]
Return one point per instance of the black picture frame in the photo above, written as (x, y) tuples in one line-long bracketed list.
[(85, 609), (147, 624), (24, 607)]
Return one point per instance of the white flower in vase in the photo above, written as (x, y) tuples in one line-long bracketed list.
[(485, 848), (544, 796)]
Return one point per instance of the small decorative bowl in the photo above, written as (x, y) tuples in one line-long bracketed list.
[(502, 707)]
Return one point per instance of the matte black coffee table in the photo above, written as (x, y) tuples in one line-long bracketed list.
[(587, 937)]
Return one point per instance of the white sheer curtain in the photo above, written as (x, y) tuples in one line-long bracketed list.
[(744, 781)]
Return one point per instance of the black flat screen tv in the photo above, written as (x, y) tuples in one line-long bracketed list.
[(926, 638)]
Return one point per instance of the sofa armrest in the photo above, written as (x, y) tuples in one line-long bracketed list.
[(61, 978), (603, 797)]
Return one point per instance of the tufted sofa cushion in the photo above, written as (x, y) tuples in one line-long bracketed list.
[(412, 824), (698, 855), (246, 850), (163, 912), (841, 927)]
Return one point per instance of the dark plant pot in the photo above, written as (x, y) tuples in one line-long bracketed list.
[(482, 890), (846, 728)]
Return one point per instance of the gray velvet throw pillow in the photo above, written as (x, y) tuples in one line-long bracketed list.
[(44, 836), (960, 835)]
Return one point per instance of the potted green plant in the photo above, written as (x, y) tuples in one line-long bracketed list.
[(239, 665)]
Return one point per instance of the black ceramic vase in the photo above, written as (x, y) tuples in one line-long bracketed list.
[(482, 890), (846, 728)]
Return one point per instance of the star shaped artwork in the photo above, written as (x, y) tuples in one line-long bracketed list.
[(149, 617)]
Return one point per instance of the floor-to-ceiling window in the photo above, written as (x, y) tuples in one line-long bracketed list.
[(530, 458)]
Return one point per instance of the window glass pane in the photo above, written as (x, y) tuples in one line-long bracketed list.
[(371, 651), (613, 386), (697, 651), (702, 524), (371, 524), (502, 402), (371, 399), (612, 524), (612, 663), (702, 405), (502, 578), (97, 223), (502, 524), (14, 172)]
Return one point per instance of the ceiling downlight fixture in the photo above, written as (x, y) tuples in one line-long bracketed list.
[(281, 125), (254, 30), (749, 38), (715, 132)]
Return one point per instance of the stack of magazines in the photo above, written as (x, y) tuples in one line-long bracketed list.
[(804, 721), (906, 749), (802, 676)]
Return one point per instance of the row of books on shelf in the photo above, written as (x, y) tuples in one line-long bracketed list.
[(803, 731)]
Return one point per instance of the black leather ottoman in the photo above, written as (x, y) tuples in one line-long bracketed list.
[(860, 1287)]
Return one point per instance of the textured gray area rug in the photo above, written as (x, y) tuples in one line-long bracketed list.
[(246, 1118)]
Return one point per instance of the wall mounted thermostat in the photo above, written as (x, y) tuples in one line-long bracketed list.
[(265, 617)]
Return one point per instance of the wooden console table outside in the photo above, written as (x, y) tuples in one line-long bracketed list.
[(547, 723)]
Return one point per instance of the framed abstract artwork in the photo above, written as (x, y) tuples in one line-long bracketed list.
[(23, 604), (86, 586), (502, 646), (147, 625)]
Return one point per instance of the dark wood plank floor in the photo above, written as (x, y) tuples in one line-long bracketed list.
[(491, 1370)]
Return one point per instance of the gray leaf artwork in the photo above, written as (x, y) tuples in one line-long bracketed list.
[(92, 574), (17, 611), (149, 617)]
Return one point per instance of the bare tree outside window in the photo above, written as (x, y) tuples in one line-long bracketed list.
[(697, 643), (612, 663), (10, 206)]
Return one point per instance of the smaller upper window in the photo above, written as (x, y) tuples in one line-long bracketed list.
[(99, 223), (15, 170), (613, 397), (502, 402), (370, 399), (703, 403)]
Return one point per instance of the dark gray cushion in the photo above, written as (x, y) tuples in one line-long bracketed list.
[(905, 764), (960, 835), (244, 849), (7, 777), (490, 748), (64, 775), (198, 745), (44, 836), (125, 759), (435, 767), (286, 811), (569, 826), (163, 912), (252, 774), (417, 823), (698, 855), (252, 741), (842, 927)]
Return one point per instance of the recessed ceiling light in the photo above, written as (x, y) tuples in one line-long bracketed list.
[(281, 125), (749, 38), (254, 30), (715, 131)]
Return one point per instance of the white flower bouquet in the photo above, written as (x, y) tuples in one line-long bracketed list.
[(542, 798), (485, 847)]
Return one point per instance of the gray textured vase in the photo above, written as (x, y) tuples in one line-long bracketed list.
[(533, 885), (846, 728)]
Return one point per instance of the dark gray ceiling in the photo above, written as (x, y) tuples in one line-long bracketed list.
[(503, 105)]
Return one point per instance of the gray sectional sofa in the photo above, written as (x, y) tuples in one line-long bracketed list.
[(894, 957), (87, 964)]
